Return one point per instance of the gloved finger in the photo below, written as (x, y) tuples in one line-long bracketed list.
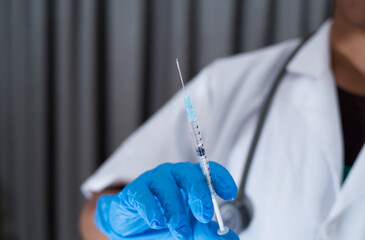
[(210, 231), (223, 182), (163, 186), (190, 178), (117, 217), (137, 198), (101, 216)]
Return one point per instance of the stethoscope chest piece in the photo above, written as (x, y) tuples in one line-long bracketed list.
[(237, 214)]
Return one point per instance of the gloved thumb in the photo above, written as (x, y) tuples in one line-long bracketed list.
[(223, 182)]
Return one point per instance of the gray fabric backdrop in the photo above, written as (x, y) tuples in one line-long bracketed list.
[(77, 77)]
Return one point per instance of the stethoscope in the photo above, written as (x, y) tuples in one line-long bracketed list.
[(238, 214)]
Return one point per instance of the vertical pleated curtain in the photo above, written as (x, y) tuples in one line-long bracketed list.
[(77, 77)]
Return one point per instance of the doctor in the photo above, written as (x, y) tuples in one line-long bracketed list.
[(307, 177)]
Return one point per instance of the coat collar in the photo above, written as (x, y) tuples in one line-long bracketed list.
[(313, 59)]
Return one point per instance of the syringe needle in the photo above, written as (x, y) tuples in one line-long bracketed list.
[(181, 78)]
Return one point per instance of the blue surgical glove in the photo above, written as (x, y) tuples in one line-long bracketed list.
[(171, 201)]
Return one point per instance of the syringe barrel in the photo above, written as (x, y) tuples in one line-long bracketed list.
[(197, 137), (200, 151), (204, 165)]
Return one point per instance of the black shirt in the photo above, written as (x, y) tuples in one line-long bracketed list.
[(353, 125)]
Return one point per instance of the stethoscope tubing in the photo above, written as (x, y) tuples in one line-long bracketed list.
[(263, 116), (239, 212)]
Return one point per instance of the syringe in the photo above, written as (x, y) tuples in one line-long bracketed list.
[(200, 150)]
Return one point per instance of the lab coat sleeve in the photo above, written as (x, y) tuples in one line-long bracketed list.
[(165, 137)]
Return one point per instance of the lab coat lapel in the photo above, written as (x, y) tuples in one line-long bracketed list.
[(323, 117), (320, 106), (352, 188), (329, 127)]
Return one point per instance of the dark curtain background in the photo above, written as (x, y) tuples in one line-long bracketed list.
[(77, 77)]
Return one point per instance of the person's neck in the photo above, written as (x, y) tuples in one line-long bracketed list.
[(348, 54)]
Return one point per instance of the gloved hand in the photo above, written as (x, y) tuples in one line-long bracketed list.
[(171, 201)]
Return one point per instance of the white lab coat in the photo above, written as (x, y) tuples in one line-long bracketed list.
[(295, 179)]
